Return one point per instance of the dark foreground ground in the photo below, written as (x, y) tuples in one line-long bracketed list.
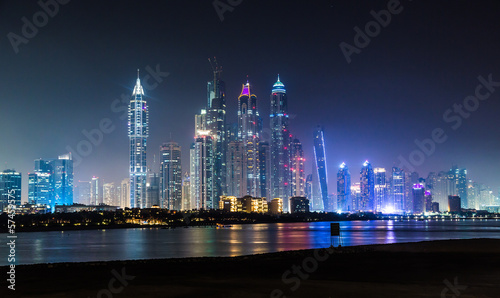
[(460, 268)]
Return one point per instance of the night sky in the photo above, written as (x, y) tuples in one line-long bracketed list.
[(428, 58)]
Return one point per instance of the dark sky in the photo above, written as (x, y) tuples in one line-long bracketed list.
[(394, 91)]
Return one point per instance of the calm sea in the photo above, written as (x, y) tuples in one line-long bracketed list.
[(127, 244)]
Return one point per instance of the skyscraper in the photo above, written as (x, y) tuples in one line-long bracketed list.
[(380, 189), (280, 174), (153, 190), (96, 191), (138, 131), (83, 192), (52, 182), (344, 189), (10, 189), (125, 193), (62, 179), (418, 199), (236, 169), (170, 176), (202, 194), (216, 123), (367, 187), (264, 169), (320, 158), (398, 189), (297, 170), (186, 190), (248, 134)]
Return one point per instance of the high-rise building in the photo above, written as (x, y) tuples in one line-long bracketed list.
[(397, 190), (153, 190), (96, 191), (202, 194), (264, 168), (125, 193), (297, 169), (355, 195), (170, 176), (249, 134), (280, 173), (186, 190), (299, 205), (320, 159), (216, 124), (10, 189), (367, 187), (52, 182), (459, 176), (418, 195), (344, 202), (454, 204), (308, 190), (83, 192), (380, 189), (109, 192), (138, 131), (235, 170)]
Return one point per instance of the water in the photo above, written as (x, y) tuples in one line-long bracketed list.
[(126, 244)]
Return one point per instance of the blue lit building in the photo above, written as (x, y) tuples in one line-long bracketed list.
[(249, 134), (52, 182), (10, 189), (138, 132), (418, 194), (344, 189), (397, 190), (320, 158), (367, 188)]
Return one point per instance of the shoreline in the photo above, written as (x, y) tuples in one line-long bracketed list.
[(412, 269)]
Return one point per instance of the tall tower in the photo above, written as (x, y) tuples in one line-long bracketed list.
[(216, 123), (10, 188), (320, 158), (170, 176), (280, 145), (367, 187), (380, 189), (138, 131), (344, 189), (248, 134), (297, 170)]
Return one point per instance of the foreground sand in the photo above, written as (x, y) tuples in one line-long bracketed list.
[(395, 270)]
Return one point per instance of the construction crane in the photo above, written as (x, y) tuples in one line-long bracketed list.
[(215, 68)]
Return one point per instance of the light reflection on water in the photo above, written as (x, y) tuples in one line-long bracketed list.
[(124, 244)]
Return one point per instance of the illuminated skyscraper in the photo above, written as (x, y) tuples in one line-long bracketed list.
[(202, 194), (418, 199), (367, 187), (264, 168), (398, 189), (248, 134), (170, 176), (320, 159), (186, 190), (52, 182), (83, 196), (344, 189), (297, 169), (380, 189), (138, 131), (280, 173), (10, 189), (215, 122), (153, 190), (96, 191), (236, 165)]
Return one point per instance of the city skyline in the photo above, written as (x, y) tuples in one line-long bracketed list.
[(387, 104)]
